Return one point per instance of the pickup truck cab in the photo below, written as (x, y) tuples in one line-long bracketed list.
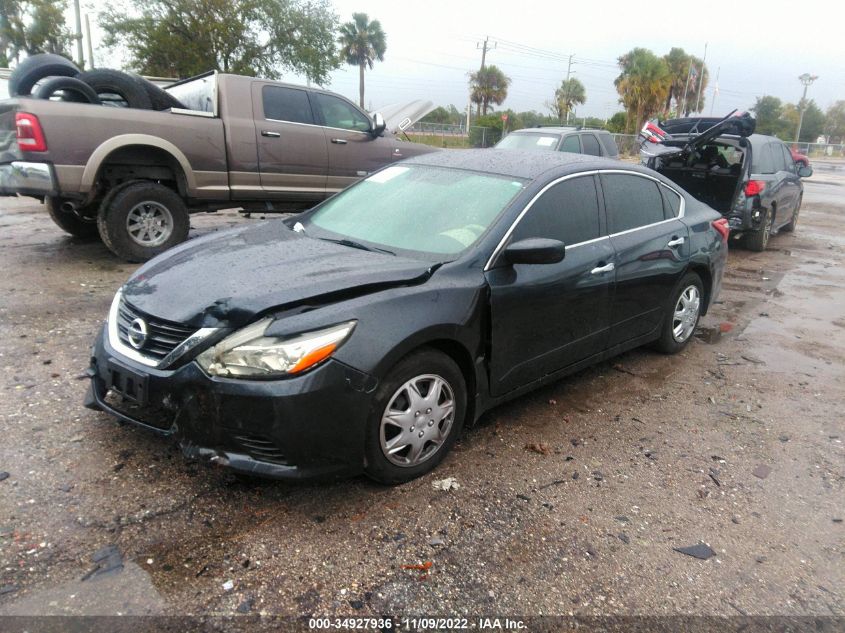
[(132, 176)]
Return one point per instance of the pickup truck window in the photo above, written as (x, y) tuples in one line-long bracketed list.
[(337, 113), (286, 104)]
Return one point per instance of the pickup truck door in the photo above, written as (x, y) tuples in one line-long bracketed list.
[(292, 155), (353, 151)]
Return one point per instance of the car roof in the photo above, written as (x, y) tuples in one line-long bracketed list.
[(526, 164), (556, 129)]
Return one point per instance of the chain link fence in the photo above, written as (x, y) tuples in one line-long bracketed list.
[(820, 150)]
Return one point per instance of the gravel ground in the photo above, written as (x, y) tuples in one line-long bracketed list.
[(571, 500)]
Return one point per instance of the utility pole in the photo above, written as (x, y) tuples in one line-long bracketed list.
[(80, 59), (566, 92), (686, 89), (807, 79), (90, 45), (484, 46), (701, 80)]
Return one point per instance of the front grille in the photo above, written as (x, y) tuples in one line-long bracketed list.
[(261, 448), (162, 336)]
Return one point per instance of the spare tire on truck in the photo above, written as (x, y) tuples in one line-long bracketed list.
[(71, 89), (35, 68), (124, 86), (160, 99)]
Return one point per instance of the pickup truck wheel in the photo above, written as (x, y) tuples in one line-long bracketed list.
[(115, 82), (682, 314), (70, 89), (141, 220), (71, 222), (759, 239), (34, 68)]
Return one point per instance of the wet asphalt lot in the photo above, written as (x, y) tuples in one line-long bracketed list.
[(571, 500)]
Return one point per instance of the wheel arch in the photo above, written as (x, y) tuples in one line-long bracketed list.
[(704, 273), (146, 151)]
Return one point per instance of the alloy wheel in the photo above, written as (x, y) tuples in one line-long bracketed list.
[(149, 224), (417, 420), (686, 314)]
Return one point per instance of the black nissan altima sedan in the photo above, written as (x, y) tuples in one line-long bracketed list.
[(364, 334)]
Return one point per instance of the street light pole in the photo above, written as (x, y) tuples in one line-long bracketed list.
[(807, 79), (80, 59)]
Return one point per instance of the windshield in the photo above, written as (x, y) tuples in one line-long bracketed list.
[(433, 212), (529, 141)]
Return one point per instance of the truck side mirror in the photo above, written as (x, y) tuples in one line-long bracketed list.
[(378, 125)]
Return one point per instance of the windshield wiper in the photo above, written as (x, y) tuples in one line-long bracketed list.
[(354, 244)]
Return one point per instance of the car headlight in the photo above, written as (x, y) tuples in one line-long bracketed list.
[(248, 353)]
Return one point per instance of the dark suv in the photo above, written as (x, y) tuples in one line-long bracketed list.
[(563, 139), (751, 179)]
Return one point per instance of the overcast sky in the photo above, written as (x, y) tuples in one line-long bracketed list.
[(758, 47)]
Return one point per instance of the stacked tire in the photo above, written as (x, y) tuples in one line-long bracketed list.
[(54, 76)]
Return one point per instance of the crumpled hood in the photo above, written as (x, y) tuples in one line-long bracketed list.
[(225, 280)]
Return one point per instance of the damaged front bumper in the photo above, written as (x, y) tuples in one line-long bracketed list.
[(309, 426)]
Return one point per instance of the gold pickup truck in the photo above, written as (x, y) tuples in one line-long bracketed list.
[(133, 176)]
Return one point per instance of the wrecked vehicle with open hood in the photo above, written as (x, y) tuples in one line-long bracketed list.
[(362, 335), (751, 179)]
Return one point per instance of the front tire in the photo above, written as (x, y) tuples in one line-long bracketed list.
[(682, 314), (141, 219), (417, 414), (70, 222)]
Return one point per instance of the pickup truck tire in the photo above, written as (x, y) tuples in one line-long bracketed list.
[(127, 87), (69, 221), (160, 99), (71, 88), (141, 219), (33, 69)]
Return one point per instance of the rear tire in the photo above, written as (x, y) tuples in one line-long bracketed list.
[(115, 82), (142, 219), (682, 314), (160, 99), (71, 88), (758, 240), (35, 68), (430, 426), (70, 222)]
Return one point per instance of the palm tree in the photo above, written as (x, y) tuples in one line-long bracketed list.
[(488, 85), (570, 94), (642, 85), (362, 43)]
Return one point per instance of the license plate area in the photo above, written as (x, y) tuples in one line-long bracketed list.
[(127, 383)]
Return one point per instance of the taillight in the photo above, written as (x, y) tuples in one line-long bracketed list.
[(29, 133), (754, 187), (721, 225)]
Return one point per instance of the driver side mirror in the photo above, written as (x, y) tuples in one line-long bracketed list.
[(535, 250), (379, 125), (805, 171)]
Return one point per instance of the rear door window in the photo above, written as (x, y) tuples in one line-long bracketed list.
[(762, 160), (591, 144), (286, 104), (631, 202), (571, 144), (567, 211)]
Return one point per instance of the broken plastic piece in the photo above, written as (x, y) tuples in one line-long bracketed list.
[(700, 551)]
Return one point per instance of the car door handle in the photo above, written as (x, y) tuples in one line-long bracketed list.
[(675, 241), (339, 141), (270, 134), (603, 269)]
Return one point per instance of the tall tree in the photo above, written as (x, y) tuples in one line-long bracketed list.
[(685, 71), (812, 125), (570, 94), (488, 85), (834, 121), (767, 112), (362, 43), (247, 37), (642, 85), (32, 26)]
